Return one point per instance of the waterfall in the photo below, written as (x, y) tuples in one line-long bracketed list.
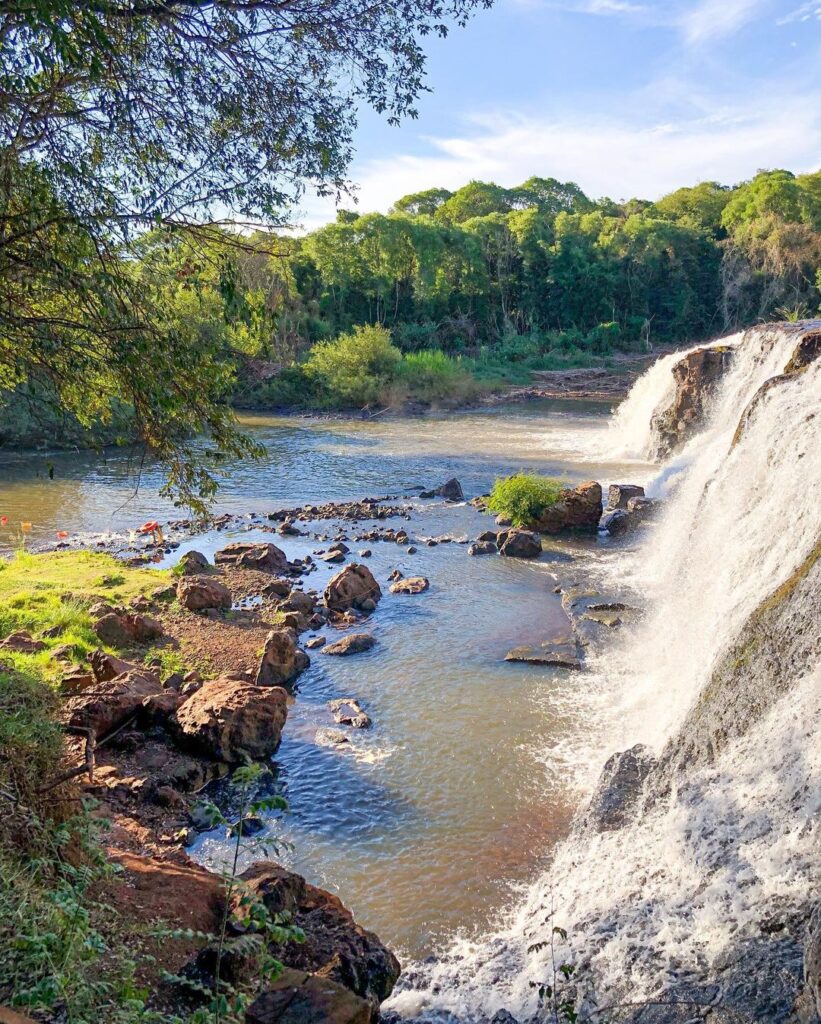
[(651, 907)]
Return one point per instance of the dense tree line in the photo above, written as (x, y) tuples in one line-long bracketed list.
[(486, 266)]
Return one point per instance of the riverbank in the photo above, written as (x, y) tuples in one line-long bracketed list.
[(127, 660)]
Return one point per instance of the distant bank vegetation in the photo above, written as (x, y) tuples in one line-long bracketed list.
[(451, 293)]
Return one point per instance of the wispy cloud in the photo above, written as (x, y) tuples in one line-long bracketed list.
[(806, 12), (712, 19), (606, 157)]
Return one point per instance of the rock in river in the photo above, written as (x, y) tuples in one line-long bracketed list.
[(558, 655), (354, 643), (347, 711), (265, 557), (281, 660), (619, 788), (619, 494), (515, 543), (352, 588), (410, 585)]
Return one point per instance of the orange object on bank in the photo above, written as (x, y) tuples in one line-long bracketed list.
[(62, 534), (149, 527), (26, 527)]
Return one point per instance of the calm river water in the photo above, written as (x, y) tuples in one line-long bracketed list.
[(426, 824)]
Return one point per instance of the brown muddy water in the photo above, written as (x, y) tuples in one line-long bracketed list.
[(430, 822)]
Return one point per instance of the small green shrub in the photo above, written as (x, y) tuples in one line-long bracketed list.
[(522, 498), (355, 367)]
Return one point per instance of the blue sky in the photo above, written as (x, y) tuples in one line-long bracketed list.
[(625, 97)]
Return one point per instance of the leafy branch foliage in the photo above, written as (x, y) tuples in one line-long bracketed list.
[(120, 116)]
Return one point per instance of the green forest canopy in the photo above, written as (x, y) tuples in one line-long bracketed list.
[(487, 267)]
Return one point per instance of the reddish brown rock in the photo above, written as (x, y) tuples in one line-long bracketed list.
[(577, 509), (335, 946), (229, 720), (696, 375), (110, 703), (282, 660), (264, 557), (297, 997), (120, 630), (22, 642), (108, 666), (197, 593), (354, 587)]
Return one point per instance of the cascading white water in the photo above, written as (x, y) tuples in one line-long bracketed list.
[(667, 893)]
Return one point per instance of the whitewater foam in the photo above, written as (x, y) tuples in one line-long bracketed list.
[(665, 896)]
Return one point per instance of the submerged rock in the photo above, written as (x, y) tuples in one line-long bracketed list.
[(619, 788), (557, 655), (354, 643)]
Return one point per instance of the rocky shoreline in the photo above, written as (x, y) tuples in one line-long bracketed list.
[(148, 744)]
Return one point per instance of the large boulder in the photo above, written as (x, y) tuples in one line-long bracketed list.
[(229, 720), (110, 703), (696, 375), (121, 630), (108, 666), (265, 557), (515, 543), (281, 660), (354, 587), (198, 593), (296, 997), (335, 946), (619, 788), (577, 508)]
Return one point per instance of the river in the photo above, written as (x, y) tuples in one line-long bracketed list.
[(431, 823)]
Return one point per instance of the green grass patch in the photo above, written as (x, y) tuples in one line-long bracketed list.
[(52, 593), (523, 497)]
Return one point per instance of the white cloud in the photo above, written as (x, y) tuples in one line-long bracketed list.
[(605, 157), (712, 19), (806, 12)]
